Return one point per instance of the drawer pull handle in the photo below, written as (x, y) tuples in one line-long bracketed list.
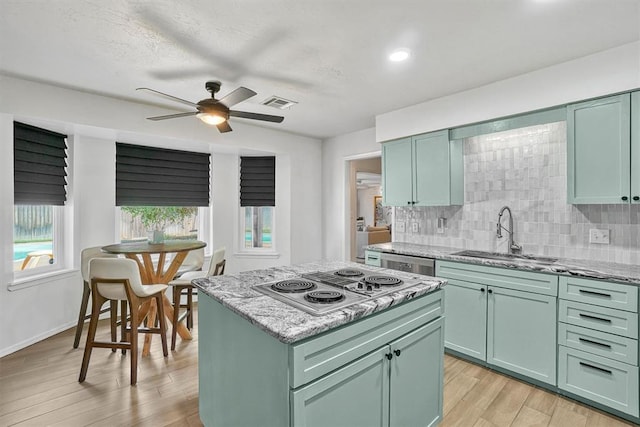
[(597, 368), (586, 316), (600, 294), (595, 343)]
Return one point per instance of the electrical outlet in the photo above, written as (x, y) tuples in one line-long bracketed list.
[(400, 226), (442, 223), (414, 227), (599, 236)]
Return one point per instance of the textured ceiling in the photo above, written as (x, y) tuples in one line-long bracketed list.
[(329, 55)]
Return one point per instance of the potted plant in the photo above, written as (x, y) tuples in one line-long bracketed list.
[(157, 218)]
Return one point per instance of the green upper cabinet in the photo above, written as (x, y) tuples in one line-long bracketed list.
[(397, 177), (423, 170), (599, 148), (635, 147)]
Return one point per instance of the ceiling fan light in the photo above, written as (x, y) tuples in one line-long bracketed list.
[(211, 119)]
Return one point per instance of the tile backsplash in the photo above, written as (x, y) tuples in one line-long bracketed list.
[(525, 169)]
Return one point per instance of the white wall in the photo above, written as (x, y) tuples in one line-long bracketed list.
[(94, 123), (614, 70), (335, 187), (607, 72)]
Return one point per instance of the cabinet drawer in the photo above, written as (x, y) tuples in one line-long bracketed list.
[(608, 382), (372, 258), (599, 318), (527, 281), (601, 343), (317, 356), (598, 292)]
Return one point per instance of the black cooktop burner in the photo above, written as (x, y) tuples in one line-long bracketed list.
[(382, 281), (349, 272), (293, 286), (324, 297)]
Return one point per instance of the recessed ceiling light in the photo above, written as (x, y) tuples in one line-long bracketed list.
[(399, 55)]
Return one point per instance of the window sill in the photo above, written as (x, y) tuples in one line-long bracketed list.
[(41, 279), (263, 255)]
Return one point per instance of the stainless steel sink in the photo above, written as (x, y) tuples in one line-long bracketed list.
[(506, 257)]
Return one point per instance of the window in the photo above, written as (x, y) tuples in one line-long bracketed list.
[(39, 195), (258, 227), (176, 222), (257, 201)]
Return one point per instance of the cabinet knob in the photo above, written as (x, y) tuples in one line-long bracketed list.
[(490, 291), (625, 198), (482, 290), (396, 352), (409, 202), (636, 198), (389, 356)]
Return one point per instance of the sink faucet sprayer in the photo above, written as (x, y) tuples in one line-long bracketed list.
[(513, 246)]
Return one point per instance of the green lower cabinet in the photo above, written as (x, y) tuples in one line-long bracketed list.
[(466, 327), (521, 333), (356, 395), (372, 258), (599, 379), (414, 398), (393, 386)]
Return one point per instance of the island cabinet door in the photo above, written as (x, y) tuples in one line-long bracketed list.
[(465, 330), (521, 333), (356, 395), (417, 365)]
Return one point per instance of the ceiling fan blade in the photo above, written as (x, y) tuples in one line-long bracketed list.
[(256, 116), (224, 127), (183, 101), (237, 96), (172, 116)]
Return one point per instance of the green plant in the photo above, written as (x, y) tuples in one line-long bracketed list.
[(159, 217)]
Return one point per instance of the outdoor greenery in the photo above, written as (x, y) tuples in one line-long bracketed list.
[(159, 217)]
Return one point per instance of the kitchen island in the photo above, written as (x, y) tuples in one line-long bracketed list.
[(263, 362)]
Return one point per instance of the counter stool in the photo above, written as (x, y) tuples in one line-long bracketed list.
[(183, 283), (87, 255), (119, 280)]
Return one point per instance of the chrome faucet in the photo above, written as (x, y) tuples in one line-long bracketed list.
[(513, 246)]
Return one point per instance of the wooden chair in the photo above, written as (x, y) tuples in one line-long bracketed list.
[(119, 280), (87, 255), (183, 283)]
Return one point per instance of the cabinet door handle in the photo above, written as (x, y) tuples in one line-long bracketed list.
[(600, 294), (625, 198), (587, 316), (389, 356), (597, 368), (397, 352), (594, 343), (636, 198)]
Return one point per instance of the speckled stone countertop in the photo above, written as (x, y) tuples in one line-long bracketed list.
[(289, 324), (624, 273)]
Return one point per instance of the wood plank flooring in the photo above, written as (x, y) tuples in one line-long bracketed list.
[(39, 387)]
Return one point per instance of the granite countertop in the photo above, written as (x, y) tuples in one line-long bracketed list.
[(624, 273), (289, 324)]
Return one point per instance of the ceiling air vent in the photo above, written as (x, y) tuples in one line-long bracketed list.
[(279, 103)]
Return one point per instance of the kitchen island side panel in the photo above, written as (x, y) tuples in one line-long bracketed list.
[(243, 371)]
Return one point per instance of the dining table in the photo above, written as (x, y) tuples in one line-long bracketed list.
[(151, 259)]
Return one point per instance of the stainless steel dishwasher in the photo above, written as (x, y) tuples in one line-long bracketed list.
[(412, 264)]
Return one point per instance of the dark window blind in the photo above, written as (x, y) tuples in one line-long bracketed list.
[(257, 181), (148, 176), (39, 166)]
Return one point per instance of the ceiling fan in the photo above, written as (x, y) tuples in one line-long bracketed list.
[(214, 111)]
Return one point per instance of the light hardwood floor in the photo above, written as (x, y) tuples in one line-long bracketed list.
[(39, 386)]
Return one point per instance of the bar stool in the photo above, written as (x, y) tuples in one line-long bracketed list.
[(183, 283), (87, 255), (119, 280)]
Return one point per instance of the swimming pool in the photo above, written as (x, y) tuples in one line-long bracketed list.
[(20, 250)]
